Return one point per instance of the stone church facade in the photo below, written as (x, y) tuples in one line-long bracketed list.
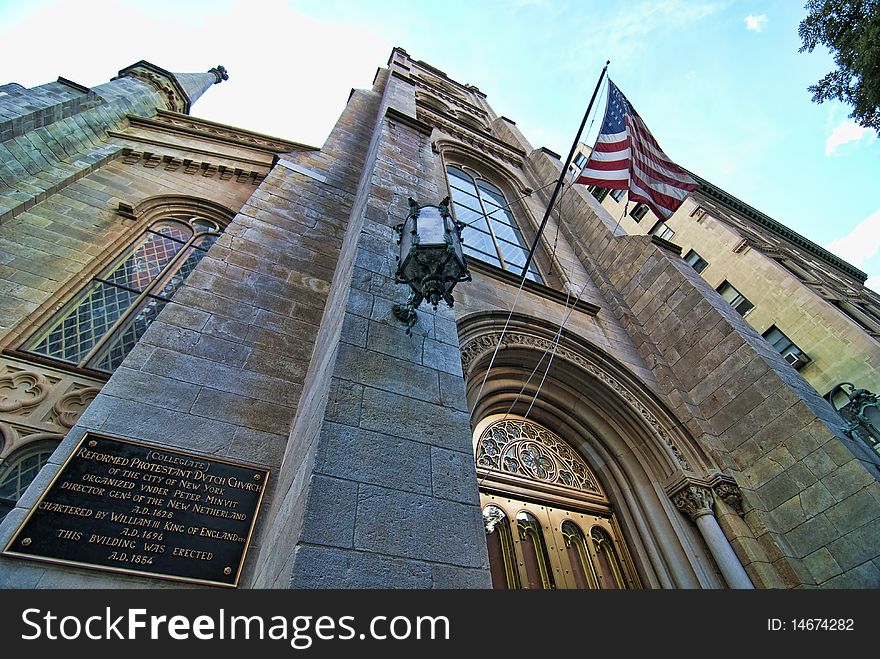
[(611, 422)]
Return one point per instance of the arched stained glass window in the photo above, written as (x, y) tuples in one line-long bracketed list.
[(502, 558), (491, 234), (19, 470), (534, 550), (99, 327), (582, 570), (610, 574)]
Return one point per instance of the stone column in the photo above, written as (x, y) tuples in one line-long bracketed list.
[(697, 501)]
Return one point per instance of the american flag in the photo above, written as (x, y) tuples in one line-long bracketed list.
[(627, 157)]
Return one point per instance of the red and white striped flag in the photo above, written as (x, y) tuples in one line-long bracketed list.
[(627, 157)]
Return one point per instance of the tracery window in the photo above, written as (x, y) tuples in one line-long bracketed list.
[(104, 321), (491, 233), (19, 470), (548, 522)]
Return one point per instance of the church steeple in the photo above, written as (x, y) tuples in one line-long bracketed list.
[(180, 90)]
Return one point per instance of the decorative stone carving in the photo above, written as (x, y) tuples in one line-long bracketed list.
[(694, 500), (174, 98), (220, 73), (496, 149), (151, 161), (523, 448), (184, 121), (22, 390), (69, 407), (485, 343), (731, 495), (39, 402)]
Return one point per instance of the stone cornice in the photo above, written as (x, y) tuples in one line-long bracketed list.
[(218, 132), (446, 96), (406, 120), (185, 147), (730, 202), (187, 166)]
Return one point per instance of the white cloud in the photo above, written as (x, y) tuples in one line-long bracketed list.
[(756, 23), (845, 132), (861, 244), (873, 283)]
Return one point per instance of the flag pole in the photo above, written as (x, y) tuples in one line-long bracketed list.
[(564, 172)]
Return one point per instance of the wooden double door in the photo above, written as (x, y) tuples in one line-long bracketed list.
[(538, 546)]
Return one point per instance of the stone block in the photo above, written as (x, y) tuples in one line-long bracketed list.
[(394, 341), (344, 402), (326, 567), (418, 527), (822, 565), (136, 420), (152, 389), (243, 411), (410, 418), (453, 476), (452, 392), (369, 457), (259, 447), (854, 511), (442, 357), (816, 532), (449, 577), (847, 479), (381, 371), (330, 512)]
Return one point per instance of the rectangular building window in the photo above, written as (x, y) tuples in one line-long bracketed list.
[(786, 347), (597, 192), (696, 261), (662, 231), (639, 212), (734, 298), (617, 195)]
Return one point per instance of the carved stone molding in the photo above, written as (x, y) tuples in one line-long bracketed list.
[(426, 85), (187, 166), (163, 82), (70, 406), (485, 343), (469, 136), (726, 489), (39, 402), (21, 390), (195, 125), (695, 500)]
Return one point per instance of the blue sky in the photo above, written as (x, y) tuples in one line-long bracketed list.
[(719, 82)]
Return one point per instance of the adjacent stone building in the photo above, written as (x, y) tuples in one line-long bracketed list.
[(610, 422)]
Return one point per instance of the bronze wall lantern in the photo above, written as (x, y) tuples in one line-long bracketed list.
[(431, 260)]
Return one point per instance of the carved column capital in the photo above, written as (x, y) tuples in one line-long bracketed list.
[(726, 489), (694, 499)]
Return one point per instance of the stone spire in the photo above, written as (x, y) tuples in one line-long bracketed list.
[(196, 84), (180, 90)]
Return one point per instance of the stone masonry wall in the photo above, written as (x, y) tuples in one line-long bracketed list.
[(811, 494), (221, 369)]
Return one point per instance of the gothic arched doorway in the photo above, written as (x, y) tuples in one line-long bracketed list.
[(548, 521)]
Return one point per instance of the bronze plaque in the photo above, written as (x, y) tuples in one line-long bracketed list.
[(126, 506)]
